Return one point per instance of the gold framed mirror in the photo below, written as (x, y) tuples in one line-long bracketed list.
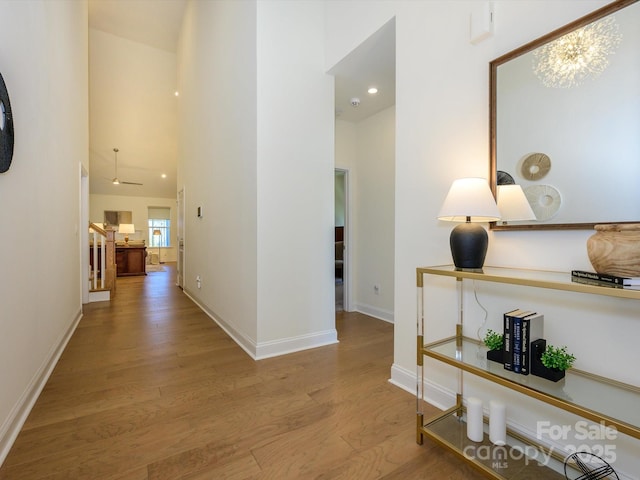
[(574, 133)]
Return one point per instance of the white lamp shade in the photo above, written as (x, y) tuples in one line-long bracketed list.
[(513, 204), (126, 228), (469, 198)]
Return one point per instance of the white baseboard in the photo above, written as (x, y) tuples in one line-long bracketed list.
[(243, 340), (403, 378), (433, 393), (262, 350), (375, 312), (13, 424), (296, 344)]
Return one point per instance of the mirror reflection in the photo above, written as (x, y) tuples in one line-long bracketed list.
[(566, 122)]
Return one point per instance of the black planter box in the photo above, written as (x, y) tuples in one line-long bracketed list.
[(537, 368), (496, 355)]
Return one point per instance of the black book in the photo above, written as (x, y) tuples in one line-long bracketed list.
[(516, 352), (508, 338), (517, 339), (599, 283), (532, 330), (605, 278)]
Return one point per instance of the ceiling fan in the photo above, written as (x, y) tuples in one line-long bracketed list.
[(115, 179)]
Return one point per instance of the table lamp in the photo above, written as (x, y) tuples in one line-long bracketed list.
[(470, 201), (126, 228), (513, 204)]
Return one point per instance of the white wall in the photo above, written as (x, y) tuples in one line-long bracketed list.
[(43, 59), (139, 208), (295, 178), (367, 149), (442, 134), (374, 218), (217, 161), (256, 154)]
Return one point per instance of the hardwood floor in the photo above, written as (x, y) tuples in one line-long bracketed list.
[(149, 388)]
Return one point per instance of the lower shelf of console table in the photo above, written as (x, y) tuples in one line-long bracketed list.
[(518, 460)]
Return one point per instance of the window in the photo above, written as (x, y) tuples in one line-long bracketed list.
[(160, 223)]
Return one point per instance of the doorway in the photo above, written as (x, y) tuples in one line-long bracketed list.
[(340, 238), (180, 266)]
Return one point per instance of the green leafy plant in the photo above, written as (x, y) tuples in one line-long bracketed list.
[(493, 340), (557, 357)]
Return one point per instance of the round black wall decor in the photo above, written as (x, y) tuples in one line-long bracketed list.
[(6, 128)]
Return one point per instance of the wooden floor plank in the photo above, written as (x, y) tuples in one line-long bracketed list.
[(149, 388)]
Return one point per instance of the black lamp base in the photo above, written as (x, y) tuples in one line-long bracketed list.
[(469, 243)]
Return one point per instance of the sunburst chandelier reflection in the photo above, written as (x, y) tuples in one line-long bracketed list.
[(578, 55)]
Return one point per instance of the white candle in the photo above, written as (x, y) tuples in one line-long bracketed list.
[(474, 419), (497, 422)]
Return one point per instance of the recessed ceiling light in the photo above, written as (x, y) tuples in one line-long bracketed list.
[(372, 91), (176, 93), (164, 175)]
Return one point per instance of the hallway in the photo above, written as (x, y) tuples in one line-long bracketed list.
[(150, 388)]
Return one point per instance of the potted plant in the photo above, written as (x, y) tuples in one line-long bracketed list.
[(495, 343), (550, 362)]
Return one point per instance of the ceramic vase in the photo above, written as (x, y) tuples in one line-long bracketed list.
[(615, 249)]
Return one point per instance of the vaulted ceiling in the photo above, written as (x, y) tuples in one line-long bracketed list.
[(132, 84), (133, 106)]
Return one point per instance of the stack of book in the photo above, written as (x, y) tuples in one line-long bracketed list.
[(605, 280), (520, 329)]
